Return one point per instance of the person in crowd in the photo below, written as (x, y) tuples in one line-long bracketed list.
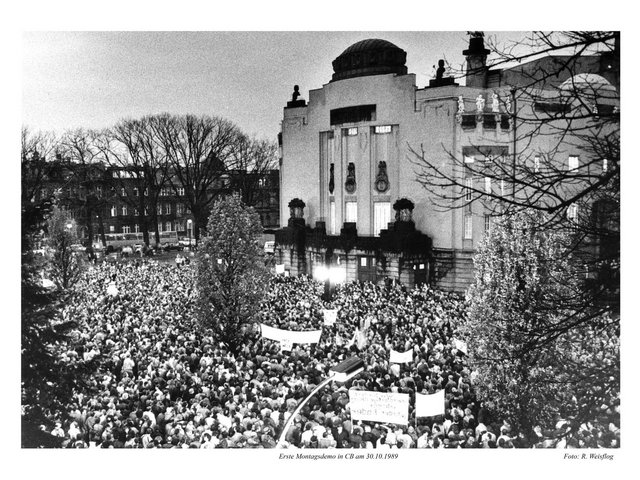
[(163, 383)]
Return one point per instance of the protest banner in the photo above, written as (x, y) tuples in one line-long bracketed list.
[(309, 336), (430, 405), (397, 357), (395, 369), (379, 407), (460, 345), (279, 269), (286, 345), (330, 316)]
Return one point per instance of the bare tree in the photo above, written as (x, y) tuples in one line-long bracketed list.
[(138, 162), (250, 163), (79, 149), (554, 110), (37, 148), (198, 151)]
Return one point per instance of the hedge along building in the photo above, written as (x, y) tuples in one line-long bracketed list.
[(349, 187)]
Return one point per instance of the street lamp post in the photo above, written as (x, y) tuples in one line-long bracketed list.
[(342, 372)]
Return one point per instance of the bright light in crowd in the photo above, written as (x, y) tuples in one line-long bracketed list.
[(320, 273), (335, 275)]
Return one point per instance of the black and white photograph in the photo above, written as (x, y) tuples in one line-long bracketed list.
[(353, 249)]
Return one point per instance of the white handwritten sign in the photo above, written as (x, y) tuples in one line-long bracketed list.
[(330, 316), (286, 345), (379, 407), (309, 336), (112, 290), (430, 405), (397, 357), (279, 269)]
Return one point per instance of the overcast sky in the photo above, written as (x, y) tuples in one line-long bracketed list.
[(93, 79)]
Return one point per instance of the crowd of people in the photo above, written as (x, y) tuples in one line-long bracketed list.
[(163, 382)]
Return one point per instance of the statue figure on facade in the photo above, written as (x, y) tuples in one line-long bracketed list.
[(495, 103), (441, 80), (460, 111), (480, 104), (295, 100), (331, 181), (382, 180), (350, 183), (441, 70)]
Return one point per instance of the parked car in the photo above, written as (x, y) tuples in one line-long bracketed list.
[(172, 246)]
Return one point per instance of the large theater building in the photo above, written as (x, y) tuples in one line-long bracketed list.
[(346, 155)]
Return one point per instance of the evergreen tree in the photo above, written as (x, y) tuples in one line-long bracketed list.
[(64, 265), (231, 275), (538, 360), (46, 382)]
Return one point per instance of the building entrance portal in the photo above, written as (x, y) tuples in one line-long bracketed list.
[(420, 270), (367, 269)]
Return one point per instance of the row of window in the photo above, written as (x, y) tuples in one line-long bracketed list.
[(468, 225), (487, 187), (378, 130), (573, 162), (164, 192), (572, 214), (381, 215), (162, 227), (180, 210)]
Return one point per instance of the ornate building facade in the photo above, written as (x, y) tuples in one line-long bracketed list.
[(350, 195)]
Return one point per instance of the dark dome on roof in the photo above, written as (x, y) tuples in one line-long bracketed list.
[(369, 57)]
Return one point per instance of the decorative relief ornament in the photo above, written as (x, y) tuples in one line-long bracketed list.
[(382, 180), (350, 183), (331, 181)]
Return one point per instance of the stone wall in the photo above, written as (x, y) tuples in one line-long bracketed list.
[(453, 269)]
